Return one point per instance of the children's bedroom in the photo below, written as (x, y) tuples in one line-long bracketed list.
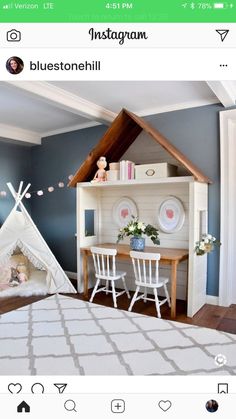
[(117, 228)]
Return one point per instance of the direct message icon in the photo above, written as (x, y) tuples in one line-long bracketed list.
[(165, 405), (223, 33), (60, 387)]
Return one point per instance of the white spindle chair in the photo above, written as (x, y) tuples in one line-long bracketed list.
[(146, 272), (105, 269)]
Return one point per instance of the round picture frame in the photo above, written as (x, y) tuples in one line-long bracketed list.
[(123, 210), (171, 215)]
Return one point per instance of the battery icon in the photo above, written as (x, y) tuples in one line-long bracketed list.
[(218, 5)]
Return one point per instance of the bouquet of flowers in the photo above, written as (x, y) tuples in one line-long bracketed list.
[(136, 228), (206, 244)]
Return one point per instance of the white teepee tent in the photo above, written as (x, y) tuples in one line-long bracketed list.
[(19, 231)]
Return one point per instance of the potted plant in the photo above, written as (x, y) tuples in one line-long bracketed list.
[(206, 244), (136, 230)]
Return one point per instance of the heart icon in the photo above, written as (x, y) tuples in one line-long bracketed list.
[(15, 388), (164, 405)]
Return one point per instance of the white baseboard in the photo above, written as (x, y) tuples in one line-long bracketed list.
[(211, 299), (71, 275)]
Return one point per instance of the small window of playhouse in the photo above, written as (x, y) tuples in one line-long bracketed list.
[(89, 223)]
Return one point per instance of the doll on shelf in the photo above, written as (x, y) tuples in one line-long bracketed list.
[(101, 174)]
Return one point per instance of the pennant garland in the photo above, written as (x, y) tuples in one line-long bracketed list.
[(40, 192)]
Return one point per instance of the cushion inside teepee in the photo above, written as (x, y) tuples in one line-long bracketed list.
[(35, 283)]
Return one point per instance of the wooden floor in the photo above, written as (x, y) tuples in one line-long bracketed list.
[(12, 303), (214, 317)]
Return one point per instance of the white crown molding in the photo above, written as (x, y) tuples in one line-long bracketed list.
[(19, 134), (225, 91), (177, 107), (70, 128), (62, 99)]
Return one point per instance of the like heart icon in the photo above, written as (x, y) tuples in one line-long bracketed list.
[(164, 405), (15, 388)]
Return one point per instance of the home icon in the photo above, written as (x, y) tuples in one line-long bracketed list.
[(23, 407)]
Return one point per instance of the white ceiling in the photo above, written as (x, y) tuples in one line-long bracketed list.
[(19, 110), (30, 111), (144, 97)]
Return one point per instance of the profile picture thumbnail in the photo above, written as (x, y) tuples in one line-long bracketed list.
[(212, 406), (14, 65)]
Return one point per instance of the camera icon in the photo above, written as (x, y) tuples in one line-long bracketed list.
[(13, 35)]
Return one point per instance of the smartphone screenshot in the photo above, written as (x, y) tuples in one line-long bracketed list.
[(117, 209)]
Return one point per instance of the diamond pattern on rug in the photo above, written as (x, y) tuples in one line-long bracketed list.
[(64, 336)]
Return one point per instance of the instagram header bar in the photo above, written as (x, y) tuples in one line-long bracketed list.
[(119, 35), (96, 51)]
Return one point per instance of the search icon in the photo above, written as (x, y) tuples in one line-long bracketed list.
[(70, 406)]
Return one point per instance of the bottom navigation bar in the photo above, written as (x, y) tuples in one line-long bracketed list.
[(126, 405)]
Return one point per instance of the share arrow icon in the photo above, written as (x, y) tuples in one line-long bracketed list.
[(223, 33), (60, 387)]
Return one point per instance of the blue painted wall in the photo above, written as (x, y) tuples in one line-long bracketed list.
[(194, 131), (55, 214), (15, 165)]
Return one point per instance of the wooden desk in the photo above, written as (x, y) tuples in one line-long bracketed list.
[(168, 257)]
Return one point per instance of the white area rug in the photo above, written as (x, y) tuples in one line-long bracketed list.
[(64, 336), (35, 286)]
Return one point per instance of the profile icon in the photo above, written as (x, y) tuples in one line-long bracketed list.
[(212, 406), (14, 65)]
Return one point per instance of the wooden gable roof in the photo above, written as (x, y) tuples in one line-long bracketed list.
[(118, 138)]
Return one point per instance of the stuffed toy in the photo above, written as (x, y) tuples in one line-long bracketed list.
[(101, 174), (23, 273), (22, 277), (14, 280)]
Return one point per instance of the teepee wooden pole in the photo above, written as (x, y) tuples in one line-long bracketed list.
[(20, 188), (18, 196)]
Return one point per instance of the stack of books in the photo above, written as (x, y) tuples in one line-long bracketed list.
[(126, 170)]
